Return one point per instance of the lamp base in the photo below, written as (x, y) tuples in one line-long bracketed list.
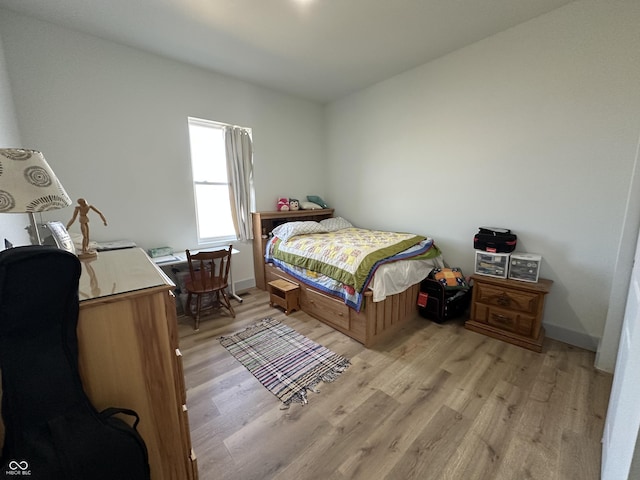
[(34, 233)]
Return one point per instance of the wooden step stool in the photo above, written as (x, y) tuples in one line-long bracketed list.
[(284, 294)]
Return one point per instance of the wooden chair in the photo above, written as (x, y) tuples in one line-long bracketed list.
[(208, 275)]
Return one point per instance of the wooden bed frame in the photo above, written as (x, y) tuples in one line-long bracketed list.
[(374, 322)]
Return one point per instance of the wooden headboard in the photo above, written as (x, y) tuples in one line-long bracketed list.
[(265, 222)]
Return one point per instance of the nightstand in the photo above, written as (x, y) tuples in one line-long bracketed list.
[(510, 310)]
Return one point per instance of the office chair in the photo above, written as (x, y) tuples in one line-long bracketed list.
[(208, 275)]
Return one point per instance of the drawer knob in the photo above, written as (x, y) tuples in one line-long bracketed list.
[(500, 318), (504, 300)]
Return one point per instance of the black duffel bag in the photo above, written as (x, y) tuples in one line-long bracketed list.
[(495, 240), (444, 294)]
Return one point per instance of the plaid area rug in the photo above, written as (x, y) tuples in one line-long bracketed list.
[(285, 362)]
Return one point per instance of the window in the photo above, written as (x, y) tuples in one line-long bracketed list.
[(210, 182)]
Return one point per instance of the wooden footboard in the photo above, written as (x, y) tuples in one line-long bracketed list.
[(375, 321)]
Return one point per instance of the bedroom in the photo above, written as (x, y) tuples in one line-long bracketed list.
[(547, 111)]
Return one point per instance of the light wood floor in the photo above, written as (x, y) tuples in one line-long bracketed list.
[(436, 402)]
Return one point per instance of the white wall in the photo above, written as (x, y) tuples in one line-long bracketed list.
[(534, 129), (12, 225), (112, 122)]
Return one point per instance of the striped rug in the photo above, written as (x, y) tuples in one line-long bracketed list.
[(286, 363)]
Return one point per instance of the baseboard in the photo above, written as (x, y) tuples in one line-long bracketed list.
[(571, 337), (244, 285)]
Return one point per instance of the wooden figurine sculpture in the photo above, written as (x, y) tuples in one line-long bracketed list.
[(83, 209)]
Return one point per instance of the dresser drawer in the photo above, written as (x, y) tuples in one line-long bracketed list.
[(326, 308), (507, 298), (507, 320)]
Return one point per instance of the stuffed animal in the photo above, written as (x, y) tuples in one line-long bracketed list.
[(294, 204), (316, 199), (283, 204)]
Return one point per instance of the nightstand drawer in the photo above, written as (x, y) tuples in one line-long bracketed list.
[(507, 298), (507, 320)]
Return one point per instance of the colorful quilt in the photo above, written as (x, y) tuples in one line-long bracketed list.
[(343, 262), (347, 255)]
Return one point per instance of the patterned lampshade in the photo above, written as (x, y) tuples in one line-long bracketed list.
[(27, 183)]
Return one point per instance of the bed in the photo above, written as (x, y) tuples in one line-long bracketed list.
[(366, 296)]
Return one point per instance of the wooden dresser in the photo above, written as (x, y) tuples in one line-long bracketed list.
[(510, 310), (129, 356)]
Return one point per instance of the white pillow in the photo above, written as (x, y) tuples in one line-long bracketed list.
[(290, 229), (309, 206), (335, 223)]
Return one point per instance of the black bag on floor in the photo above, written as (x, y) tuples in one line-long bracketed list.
[(495, 240), (52, 431), (439, 301)]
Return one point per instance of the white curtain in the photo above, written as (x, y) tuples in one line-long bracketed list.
[(240, 171)]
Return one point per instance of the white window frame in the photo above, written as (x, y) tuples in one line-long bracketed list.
[(202, 240)]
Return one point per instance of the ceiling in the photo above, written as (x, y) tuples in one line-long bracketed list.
[(317, 49)]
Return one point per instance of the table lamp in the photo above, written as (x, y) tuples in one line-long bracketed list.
[(28, 185)]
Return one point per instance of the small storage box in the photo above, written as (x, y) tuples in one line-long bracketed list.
[(525, 267), (492, 264)]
